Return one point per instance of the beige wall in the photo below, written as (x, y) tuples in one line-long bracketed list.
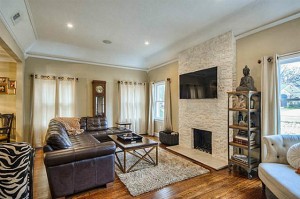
[(12, 45), (280, 39), (8, 102), (162, 73), (86, 73)]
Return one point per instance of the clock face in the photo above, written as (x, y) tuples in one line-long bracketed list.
[(99, 89)]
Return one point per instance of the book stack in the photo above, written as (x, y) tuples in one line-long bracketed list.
[(243, 159), (242, 138)]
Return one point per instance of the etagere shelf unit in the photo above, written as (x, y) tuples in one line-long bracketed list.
[(244, 130)]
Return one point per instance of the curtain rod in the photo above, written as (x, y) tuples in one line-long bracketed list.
[(269, 60), (130, 82), (54, 77), (283, 55), (168, 79)]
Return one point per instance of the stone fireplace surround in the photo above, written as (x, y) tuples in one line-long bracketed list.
[(208, 114)]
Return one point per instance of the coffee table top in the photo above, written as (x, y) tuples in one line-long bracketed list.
[(145, 142)]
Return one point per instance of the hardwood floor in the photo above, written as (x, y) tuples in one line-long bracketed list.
[(216, 184)]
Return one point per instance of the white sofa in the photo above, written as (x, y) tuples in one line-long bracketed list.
[(275, 172)]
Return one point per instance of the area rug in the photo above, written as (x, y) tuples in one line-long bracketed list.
[(146, 177)]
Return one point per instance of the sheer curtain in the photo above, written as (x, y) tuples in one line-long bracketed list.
[(270, 109), (167, 108), (51, 97), (132, 105), (65, 101), (43, 108), (151, 110)]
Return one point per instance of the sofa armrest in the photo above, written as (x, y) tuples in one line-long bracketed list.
[(65, 156), (277, 147)]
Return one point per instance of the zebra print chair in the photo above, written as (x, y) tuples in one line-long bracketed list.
[(16, 166)]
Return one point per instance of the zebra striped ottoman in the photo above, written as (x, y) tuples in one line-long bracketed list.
[(16, 165)]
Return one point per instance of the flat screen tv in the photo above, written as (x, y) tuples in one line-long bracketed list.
[(200, 84)]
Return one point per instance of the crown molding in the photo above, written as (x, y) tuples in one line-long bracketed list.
[(162, 64), (267, 26), (8, 28), (67, 59)]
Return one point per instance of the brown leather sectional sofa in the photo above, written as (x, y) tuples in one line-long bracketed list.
[(81, 162)]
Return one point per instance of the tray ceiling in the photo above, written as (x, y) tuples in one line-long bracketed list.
[(170, 26)]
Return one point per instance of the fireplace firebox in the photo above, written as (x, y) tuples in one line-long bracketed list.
[(202, 140)]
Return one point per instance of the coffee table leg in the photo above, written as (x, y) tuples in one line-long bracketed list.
[(156, 155), (124, 168)]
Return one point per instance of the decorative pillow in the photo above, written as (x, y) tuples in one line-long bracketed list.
[(293, 156), (71, 124)]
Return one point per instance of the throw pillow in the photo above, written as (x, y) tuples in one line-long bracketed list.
[(71, 124), (293, 156)]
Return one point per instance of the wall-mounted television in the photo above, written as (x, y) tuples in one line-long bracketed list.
[(200, 84)]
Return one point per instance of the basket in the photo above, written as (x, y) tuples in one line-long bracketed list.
[(169, 139)]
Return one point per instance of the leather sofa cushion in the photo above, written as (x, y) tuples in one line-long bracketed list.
[(57, 137), (73, 154), (83, 140), (96, 123), (83, 123)]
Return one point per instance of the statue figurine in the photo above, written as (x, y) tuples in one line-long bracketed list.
[(247, 82)]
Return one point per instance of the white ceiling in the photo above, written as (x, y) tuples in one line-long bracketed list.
[(170, 25)]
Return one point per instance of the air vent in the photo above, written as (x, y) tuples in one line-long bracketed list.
[(16, 18)]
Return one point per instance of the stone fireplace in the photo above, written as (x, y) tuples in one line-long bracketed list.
[(202, 140), (208, 114)]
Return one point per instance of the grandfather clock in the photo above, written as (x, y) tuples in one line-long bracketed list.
[(99, 95)]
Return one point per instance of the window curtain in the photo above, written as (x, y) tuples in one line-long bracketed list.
[(151, 110), (43, 108), (132, 105), (270, 108), (65, 102), (49, 98), (167, 108)]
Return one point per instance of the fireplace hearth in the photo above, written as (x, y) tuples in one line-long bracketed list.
[(202, 140)]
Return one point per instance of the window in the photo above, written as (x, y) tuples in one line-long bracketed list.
[(159, 100), (289, 88)]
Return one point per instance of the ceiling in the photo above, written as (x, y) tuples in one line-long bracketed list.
[(169, 25)]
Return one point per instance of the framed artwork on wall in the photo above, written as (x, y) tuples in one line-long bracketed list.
[(3, 80), (12, 84), (3, 88)]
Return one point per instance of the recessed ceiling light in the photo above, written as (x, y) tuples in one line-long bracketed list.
[(70, 25), (147, 43), (107, 41)]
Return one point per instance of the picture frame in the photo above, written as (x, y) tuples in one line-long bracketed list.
[(11, 91), (3, 80), (12, 84), (3, 88)]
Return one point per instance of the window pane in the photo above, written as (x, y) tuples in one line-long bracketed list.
[(160, 92), (159, 110), (159, 100), (290, 98)]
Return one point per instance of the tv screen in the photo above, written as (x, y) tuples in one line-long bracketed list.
[(199, 84)]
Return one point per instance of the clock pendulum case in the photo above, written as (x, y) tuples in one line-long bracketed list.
[(99, 95)]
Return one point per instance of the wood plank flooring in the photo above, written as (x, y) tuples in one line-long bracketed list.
[(216, 184)]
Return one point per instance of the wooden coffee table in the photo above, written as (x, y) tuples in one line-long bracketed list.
[(131, 147)]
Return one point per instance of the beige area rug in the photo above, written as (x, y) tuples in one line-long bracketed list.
[(171, 168)]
